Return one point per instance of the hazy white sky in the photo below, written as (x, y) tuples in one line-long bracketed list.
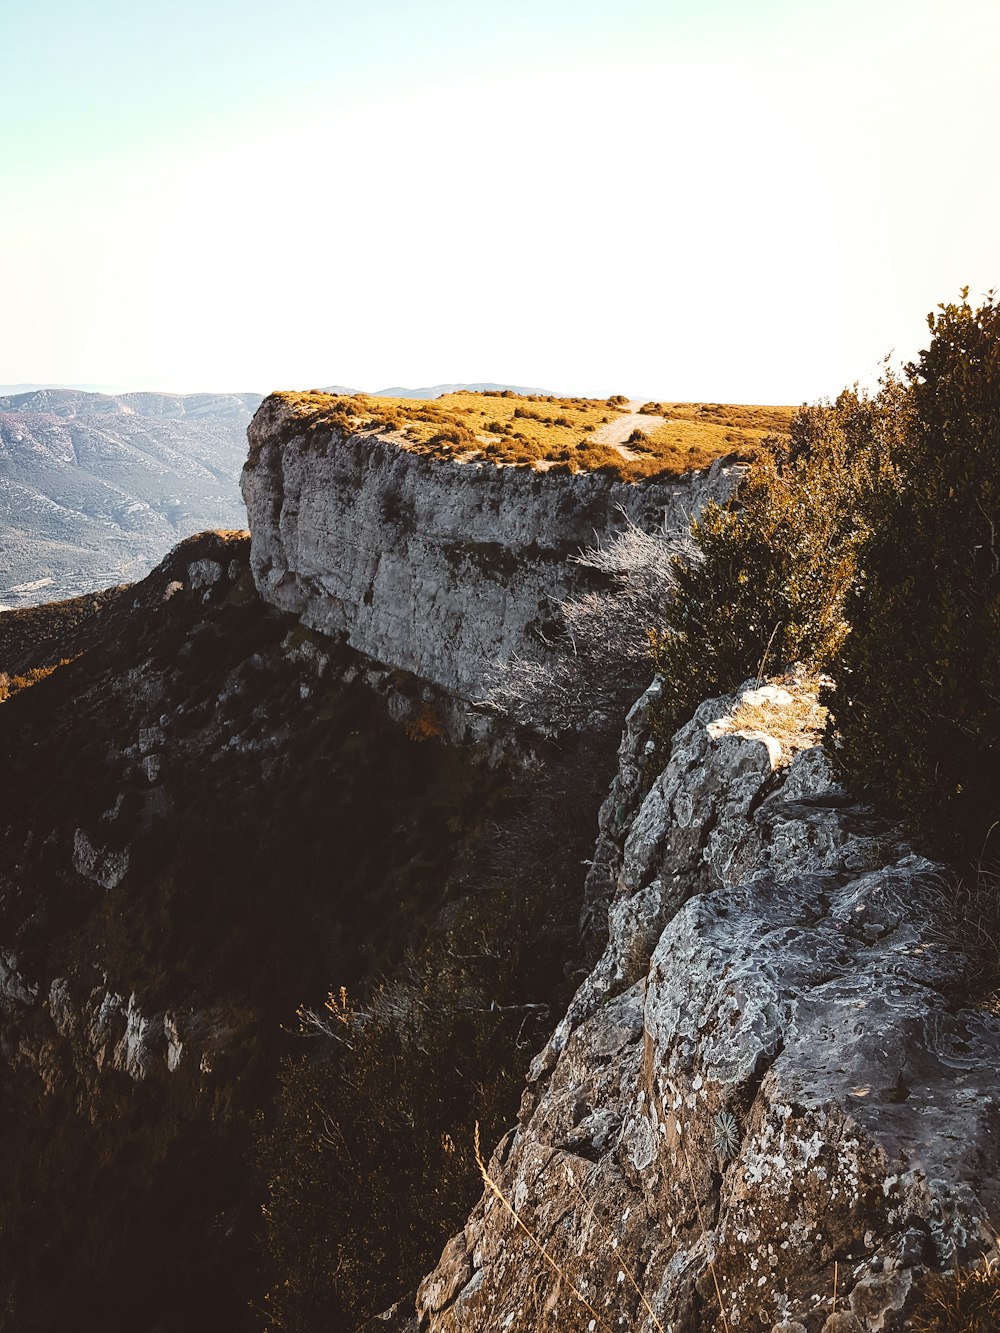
[(742, 200)]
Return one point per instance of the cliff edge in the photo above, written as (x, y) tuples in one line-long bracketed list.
[(432, 565)]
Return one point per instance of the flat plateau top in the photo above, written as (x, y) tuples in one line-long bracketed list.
[(633, 439)]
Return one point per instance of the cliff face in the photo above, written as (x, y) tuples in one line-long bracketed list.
[(438, 567), (207, 817), (766, 1074), (766, 1086)]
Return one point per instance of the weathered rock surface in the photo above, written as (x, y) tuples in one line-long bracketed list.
[(437, 567), (766, 1075), (206, 813)]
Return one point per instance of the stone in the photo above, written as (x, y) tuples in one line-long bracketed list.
[(204, 573), (103, 867), (439, 568), (876, 1299), (13, 985), (775, 963), (843, 1322)]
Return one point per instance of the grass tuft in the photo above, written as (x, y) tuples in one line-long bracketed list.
[(965, 1300)]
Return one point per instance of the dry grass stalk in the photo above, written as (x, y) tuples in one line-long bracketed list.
[(966, 1300), (494, 1189), (498, 1194), (613, 1244), (704, 1236)]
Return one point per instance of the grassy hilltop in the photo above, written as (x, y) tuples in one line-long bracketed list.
[(633, 439)]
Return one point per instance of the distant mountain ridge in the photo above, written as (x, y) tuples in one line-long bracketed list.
[(96, 488)]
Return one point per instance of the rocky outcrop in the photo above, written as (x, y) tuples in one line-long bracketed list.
[(439, 567), (207, 817), (767, 1089)]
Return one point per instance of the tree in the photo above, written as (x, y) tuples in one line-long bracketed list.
[(917, 702), (770, 571)]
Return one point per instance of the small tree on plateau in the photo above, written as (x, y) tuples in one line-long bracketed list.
[(917, 702)]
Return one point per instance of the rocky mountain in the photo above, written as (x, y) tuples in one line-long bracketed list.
[(393, 549), (234, 824), (157, 932), (769, 1072), (284, 916), (95, 489)]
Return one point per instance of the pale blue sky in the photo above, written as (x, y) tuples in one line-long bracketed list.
[(748, 199)]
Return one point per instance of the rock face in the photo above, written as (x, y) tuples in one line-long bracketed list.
[(440, 568), (206, 813), (766, 1075)]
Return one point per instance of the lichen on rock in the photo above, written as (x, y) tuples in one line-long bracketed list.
[(774, 965)]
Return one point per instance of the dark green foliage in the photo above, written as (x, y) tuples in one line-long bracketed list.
[(918, 696), (765, 583), (367, 1160)]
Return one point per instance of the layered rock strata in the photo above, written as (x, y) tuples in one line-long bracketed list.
[(768, 1094), (435, 566)]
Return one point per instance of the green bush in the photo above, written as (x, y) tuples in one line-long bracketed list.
[(368, 1162), (917, 703), (765, 583), (365, 1162)]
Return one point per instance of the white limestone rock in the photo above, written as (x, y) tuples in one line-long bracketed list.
[(440, 568), (769, 1046)]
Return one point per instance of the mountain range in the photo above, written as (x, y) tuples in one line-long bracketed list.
[(96, 488)]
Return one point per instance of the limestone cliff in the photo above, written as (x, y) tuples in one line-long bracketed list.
[(439, 567), (766, 1075)]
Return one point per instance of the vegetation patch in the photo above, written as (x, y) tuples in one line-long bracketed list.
[(765, 583), (11, 685), (965, 1300), (787, 710), (917, 704), (533, 430)]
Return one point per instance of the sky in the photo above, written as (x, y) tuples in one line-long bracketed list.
[(725, 200)]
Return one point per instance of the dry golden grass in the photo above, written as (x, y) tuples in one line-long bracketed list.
[(966, 1300), (795, 725), (535, 431), (759, 420), (11, 685)]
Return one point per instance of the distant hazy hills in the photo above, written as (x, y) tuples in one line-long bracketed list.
[(96, 488)]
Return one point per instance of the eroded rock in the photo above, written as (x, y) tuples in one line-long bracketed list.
[(436, 567), (764, 1079)]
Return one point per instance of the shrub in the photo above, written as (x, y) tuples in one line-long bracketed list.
[(766, 583), (918, 696), (599, 658), (367, 1161)]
